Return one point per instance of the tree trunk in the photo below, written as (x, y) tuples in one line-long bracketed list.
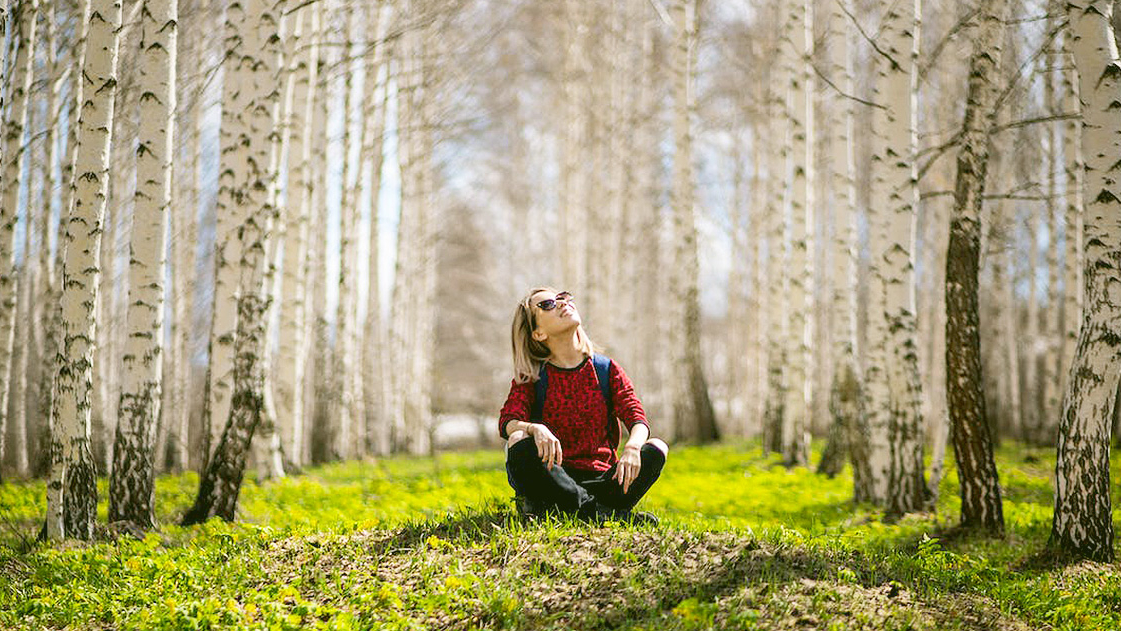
[(980, 489), (1053, 335), (231, 214), (846, 392), (303, 56), (800, 381), (1082, 523), (573, 215), (258, 60), (1074, 170), (13, 158), (72, 492), (131, 486), (343, 367), (374, 346), (896, 436), (694, 416)]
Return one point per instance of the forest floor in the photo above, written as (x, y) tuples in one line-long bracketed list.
[(431, 544)]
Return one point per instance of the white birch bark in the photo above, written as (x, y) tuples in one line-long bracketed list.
[(375, 379), (1082, 523), (12, 160), (1073, 251), (1052, 333), (800, 382), (695, 418), (72, 493), (846, 391), (573, 214), (231, 213), (1004, 281), (131, 488), (777, 276), (316, 433), (896, 436), (290, 364), (257, 25), (344, 437)]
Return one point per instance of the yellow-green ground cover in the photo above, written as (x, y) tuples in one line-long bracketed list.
[(417, 544)]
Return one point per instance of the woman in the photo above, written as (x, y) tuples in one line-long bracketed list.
[(561, 450)]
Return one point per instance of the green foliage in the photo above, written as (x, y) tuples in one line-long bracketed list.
[(416, 544)]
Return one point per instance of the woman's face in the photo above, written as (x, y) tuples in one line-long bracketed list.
[(561, 318)]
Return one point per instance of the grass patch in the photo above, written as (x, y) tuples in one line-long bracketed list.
[(406, 544)]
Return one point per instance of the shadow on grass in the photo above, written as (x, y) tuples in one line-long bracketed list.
[(470, 526)]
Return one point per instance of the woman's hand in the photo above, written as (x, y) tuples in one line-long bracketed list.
[(627, 469), (548, 447)]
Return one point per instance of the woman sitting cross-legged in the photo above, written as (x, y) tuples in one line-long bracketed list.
[(562, 416)]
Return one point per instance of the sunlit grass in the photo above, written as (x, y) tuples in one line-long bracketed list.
[(415, 543)]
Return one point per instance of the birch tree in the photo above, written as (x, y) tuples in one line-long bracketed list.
[(799, 388), (230, 214), (846, 392), (895, 438), (12, 161), (71, 490), (1082, 523), (303, 50), (1073, 251), (131, 488), (694, 416), (375, 386), (774, 410), (254, 26), (980, 491)]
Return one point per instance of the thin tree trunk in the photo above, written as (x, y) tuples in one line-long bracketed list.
[(13, 158), (343, 365), (131, 486), (799, 392), (695, 418), (980, 489), (72, 492), (1049, 369), (1083, 523), (374, 346), (290, 364), (1074, 253), (846, 391), (231, 214)]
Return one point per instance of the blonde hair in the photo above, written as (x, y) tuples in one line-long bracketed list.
[(530, 354)]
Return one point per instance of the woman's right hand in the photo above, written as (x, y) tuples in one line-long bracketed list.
[(548, 447)]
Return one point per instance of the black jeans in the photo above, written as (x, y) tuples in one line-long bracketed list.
[(584, 493)]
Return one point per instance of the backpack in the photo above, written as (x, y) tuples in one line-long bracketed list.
[(602, 365)]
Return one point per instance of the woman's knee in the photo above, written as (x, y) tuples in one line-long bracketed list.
[(660, 445)]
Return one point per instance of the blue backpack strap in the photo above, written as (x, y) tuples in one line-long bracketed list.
[(602, 365), (539, 387)]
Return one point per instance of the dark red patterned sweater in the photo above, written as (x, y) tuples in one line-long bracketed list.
[(576, 413)]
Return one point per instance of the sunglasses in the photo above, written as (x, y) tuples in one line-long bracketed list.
[(549, 304)]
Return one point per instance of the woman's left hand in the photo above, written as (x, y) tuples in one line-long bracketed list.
[(627, 469)]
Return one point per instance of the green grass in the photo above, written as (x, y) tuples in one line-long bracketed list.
[(412, 544)]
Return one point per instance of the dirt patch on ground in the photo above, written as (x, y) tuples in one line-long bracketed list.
[(610, 578)]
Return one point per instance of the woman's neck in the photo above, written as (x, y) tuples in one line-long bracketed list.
[(565, 351)]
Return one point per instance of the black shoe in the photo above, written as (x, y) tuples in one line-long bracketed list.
[(642, 518), (527, 508), (603, 514)]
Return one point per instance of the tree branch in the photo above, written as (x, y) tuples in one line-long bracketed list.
[(841, 92), (867, 38)]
